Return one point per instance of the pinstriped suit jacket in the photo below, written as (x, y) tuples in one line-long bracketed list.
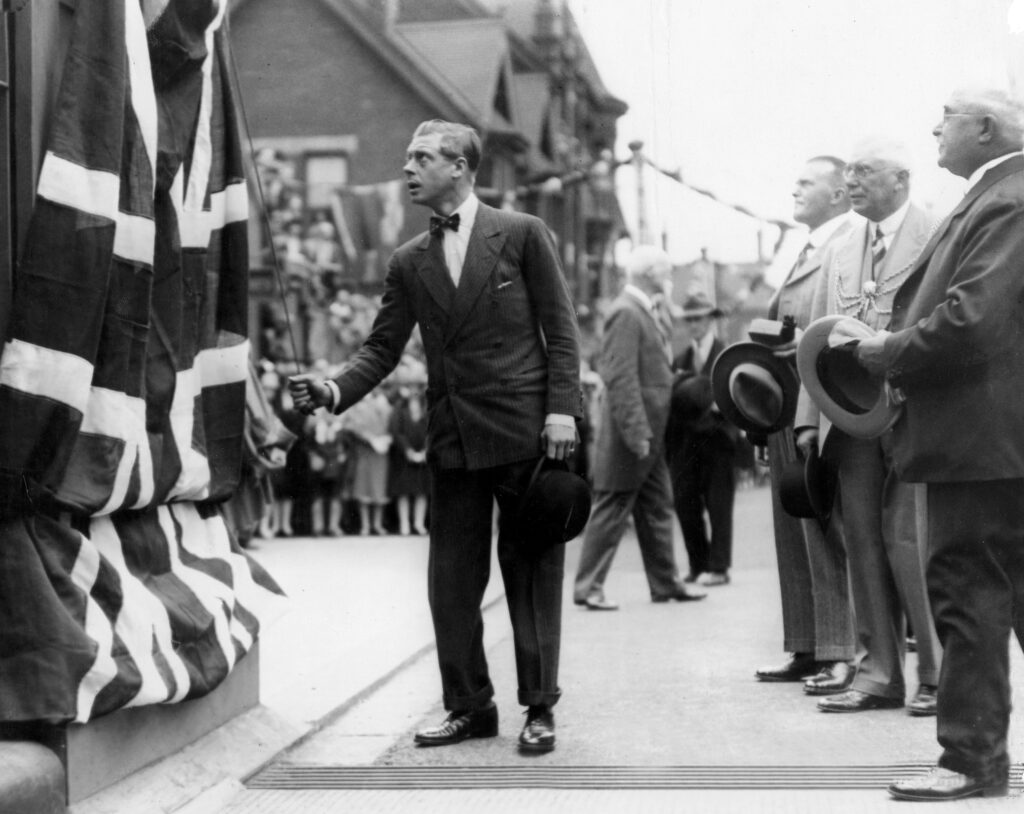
[(502, 350)]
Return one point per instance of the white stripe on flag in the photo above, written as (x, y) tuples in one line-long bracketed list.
[(140, 76), (97, 628), (194, 479), (230, 205), (143, 619), (67, 183), (46, 372), (211, 592), (135, 238), (115, 414), (227, 365), (194, 228)]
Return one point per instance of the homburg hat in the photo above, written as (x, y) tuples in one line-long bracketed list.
[(698, 304), (555, 505), (854, 400), (755, 389)]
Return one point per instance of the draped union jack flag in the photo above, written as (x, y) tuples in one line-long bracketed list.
[(122, 379)]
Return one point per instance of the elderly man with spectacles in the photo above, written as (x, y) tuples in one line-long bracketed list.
[(879, 514), (955, 354)]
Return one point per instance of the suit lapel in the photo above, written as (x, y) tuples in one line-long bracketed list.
[(482, 253), (429, 259), (904, 249)]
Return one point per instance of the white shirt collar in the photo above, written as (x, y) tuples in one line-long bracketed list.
[(641, 296), (819, 237), (892, 223), (995, 162)]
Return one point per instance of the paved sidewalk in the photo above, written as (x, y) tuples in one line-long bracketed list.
[(349, 674)]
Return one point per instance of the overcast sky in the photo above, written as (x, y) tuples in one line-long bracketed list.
[(737, 93)]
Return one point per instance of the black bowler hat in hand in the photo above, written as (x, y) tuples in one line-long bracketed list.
[(807, 487), (755, 389), (555, 505)]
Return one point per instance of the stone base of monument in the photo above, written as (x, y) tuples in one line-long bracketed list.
[(108, 749)]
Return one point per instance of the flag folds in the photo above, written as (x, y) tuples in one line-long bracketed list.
[(123, 376)]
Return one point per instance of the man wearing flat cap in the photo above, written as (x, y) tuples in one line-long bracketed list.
[(629, 471), (701, 448), (817, 619), (955, 356), (878, 512)]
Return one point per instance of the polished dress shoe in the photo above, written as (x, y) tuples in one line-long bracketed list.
[(924, 702), (538, 734), (834, 677), (797, 667), (459, 726), (857, 701), (682, 593), (596, 601), (944, 784), (713, 579)]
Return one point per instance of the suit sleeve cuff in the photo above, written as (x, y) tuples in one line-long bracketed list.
[(335, 394), (560, 419)]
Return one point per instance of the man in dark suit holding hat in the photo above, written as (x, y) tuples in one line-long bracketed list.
[(817, 620), (503, 363), (878, 512), (629, 472), (955, 357), (701, 449)]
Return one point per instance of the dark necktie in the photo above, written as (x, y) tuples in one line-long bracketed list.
[(877, 251), (802, 257), (663, 319), (439, 224)]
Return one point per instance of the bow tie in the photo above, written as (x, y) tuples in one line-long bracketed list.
[(439, 224)]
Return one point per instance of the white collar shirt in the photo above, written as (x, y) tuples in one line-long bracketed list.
[(995, 162), (456, 241)]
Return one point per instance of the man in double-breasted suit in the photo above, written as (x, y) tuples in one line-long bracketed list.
[(878, 513), (956, 355), (629, 472), (817, 620), (502, 350)]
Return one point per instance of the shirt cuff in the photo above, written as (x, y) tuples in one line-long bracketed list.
[(560, 419), (335, 394)]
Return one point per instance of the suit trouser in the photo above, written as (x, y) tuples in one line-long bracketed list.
[(651, 508), (458, 570), (817, 616), (704, 479), (976, 585), (883, 524)]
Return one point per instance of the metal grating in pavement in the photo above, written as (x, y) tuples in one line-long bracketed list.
[(305, 776)]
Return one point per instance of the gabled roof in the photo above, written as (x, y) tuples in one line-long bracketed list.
[(466, 57)]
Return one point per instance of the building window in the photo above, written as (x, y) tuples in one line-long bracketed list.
[(324, 174)]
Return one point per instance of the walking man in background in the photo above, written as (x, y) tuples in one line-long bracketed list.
[(484, 286), (878, 512), (817, 621), (630, 475), (955, 356)]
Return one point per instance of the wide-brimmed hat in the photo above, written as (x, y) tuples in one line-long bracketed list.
[(755, 389), (807, 488), (697, 304), (854, 400), (555, 505)]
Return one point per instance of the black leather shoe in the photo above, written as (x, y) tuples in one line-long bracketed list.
[(857, 701), (538, 734), (458, 726), (596, 601), (925, 701), (797, 667), (835, 677), (682, 593), (944, 784)]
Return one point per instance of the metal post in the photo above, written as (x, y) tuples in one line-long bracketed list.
[(643, 235)]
